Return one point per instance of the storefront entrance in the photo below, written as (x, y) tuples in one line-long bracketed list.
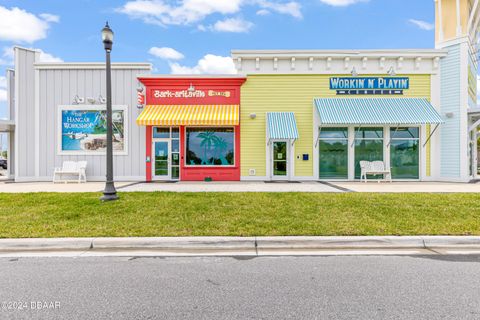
[(369, 145), (166, 153), (280, 154), (333, 148), (161, 163), (397, 147), (405, 153)]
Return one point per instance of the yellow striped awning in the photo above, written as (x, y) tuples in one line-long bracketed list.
[(189, 115)]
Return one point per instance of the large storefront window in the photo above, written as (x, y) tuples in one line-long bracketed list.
[(404, 153), (368, 146), (333, 146), (210, 146)]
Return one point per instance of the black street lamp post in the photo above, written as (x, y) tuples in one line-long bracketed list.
[(109, 193)]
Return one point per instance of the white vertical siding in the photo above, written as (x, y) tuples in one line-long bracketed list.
[(58, 86), (450, 96), (25, 100)]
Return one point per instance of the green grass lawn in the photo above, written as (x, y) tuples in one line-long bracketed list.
[(238, 214)]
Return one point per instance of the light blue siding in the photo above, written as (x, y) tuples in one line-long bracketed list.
[(450, 102)]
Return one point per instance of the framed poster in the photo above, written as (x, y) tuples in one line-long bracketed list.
[(82, 130)]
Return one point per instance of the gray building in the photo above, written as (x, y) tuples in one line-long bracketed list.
[(42, 95)]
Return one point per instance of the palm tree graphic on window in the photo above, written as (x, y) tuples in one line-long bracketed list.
[(208, 139)]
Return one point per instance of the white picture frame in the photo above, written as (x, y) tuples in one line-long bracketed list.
[(82, 107)]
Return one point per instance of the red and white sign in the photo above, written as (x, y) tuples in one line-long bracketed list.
[(140, 99)]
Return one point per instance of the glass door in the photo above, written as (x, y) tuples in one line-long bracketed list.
[(333, 149), (368, 147), (404, 153), (175, 154), (280, 160), (161, 161)]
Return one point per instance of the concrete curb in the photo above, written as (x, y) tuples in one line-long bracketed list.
[(176, 243), (37, 244), (240, 244)]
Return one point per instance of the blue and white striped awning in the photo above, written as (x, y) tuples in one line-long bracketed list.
[(282, 126), (376, 111)]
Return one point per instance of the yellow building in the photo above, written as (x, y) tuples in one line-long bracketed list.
[(308, 85)]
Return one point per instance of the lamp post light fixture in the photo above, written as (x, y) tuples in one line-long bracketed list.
[(109, 193)]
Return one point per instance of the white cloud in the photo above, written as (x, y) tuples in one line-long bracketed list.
[(342, 3), (8, 56), (3, 95), (19, 25), (47, 57), (236, 25), (422, 24), (190, 11), (263, 12), (166, 53), (209, 64), (3, 86), (187, 12), (291, 8), (49, 17)]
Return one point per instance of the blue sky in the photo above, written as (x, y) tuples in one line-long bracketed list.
[(196, 36)]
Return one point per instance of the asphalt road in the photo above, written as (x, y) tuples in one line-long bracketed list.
[(334, 287)]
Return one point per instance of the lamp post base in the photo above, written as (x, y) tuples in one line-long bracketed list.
[(109, 194)]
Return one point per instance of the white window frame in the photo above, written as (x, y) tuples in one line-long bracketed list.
[(290, 160), (234, 165)]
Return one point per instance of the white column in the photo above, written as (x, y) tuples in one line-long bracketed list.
[(37, 118), (459, 23), (351, 153), (440, 20)]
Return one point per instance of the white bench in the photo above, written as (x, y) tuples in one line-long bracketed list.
[(71, 169), (374, 168)]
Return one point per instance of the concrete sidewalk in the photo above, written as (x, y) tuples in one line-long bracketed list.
[(25, 187), (234, 187), (383, 187), (399, 187)]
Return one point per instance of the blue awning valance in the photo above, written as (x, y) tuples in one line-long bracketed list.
[(281, 126), (376, 111)]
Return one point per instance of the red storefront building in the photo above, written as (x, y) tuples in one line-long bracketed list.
[(192, 127)]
